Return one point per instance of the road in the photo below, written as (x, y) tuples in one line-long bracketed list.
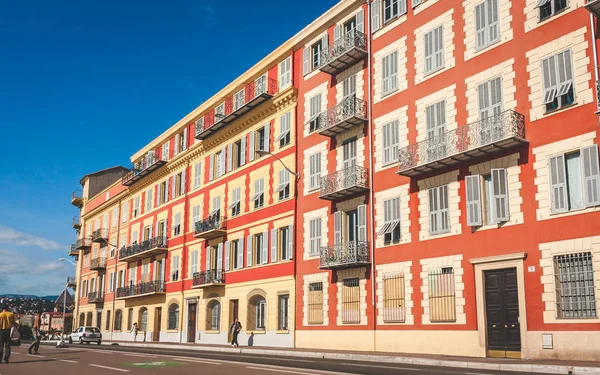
[(104, 359)]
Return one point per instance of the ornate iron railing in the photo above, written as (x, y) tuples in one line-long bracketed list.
[(152, 243), (209, 277), (82, 243), (77, 194), (353, 39), (76, 222), (95, 297), (100, 234), (74, 250), (98, 263), (209, 224), (157, 286), (146, 162), (345, 254), (349, 107), (71, 281), (350, 177), (508, 124)]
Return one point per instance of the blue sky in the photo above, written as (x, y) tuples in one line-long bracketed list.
[(85, 84)]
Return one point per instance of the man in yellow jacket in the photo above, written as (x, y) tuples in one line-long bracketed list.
[(7, 321)]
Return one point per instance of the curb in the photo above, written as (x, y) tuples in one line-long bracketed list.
[(538, 368)]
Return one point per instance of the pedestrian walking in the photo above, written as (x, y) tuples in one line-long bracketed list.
[(135, 330), (37, 337), (235, 329), (7, 322)]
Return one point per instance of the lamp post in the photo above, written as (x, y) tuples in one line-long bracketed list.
[(263, 153), (61, 343)]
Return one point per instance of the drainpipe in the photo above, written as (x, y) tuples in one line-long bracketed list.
[(296, 183), (115, 277), (593, 34), (371, 172), (184, 259)]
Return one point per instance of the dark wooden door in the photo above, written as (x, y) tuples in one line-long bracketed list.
[(192, 322), (157, 324), (234, 307), (502, 313)]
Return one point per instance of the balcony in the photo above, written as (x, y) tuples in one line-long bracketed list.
[(344, 53), (76, 222), (346, 255), (96, 297), (208, 278), (71, 282), (479, 139), (593, 6), (142, 289), (98, 264), (211, 227), (152, 247), (147, 165), (347, 183), (83, 244), (237, 105), (349, 113), (100, 236), (77, 198), (74, 251)]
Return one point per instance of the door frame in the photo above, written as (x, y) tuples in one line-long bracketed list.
[(499, 262)]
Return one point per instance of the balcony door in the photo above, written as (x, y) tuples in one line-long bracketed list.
[(436, 131), (159, 270), (349, 149), (351, 228), (147, 233), (349, 88), (161, 228)]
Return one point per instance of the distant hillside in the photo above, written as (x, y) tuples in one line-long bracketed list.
[(27, 296)]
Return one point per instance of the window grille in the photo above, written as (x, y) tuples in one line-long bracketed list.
[(315, 303), (574, 283), (351, 301), (394, 309), (442, 299)]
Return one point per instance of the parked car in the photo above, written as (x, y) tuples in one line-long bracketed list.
[(86, 334)]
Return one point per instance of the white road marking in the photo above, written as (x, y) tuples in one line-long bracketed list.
[(475, 373), (15, 353), (392, 367), (140, 355), (196, 361), (305, 370), (35, 355), (278, 370), (110, 368), (65, 360), (182, 358)]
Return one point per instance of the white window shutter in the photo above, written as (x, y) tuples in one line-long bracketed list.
[(267, 145), (324, 47), (251, 147), (500, 190), (483, 94), (223, 160), (265, 248), (444, 209), (290, 242), (337, 34), (306, 60), (240, 253), (394, 71), (183, 181), (211, 168), (229, 157), (337, 227), (176, 148), (185, 138), (273, 245), (220, 256), (492, 22), (473, 200), (360, 21), (227, 254), (549, 78), (558, 185), (249, 251), (591, 176), (375, 9), (480, 25), (433, 211), (243, 151), (362, 222), (208, 251)]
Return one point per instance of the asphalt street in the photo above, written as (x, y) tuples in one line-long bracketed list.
[(101, 360)]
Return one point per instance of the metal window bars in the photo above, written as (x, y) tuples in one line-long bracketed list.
[(315, 303), (442, 299), (351, 301), (394, 309), (574, 283)]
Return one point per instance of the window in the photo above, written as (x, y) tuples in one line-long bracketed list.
[(177, 225), (259, 193), (316, 54), (125, 212), (261, 85), (107, 320), (115, 216), (389, 73), (349, 87), (216, 211), (105, 221), (237, 254), (261, 308), (548, 8), (129, 319), (284, 130), (394, 310), (314, 171), (257, 309), (285, 243), (173, 317), (165, 151), (179, 184), (175, 268), (574, 284), (149, 195), (121, 279), (391, 221), (197, 174), (123, 240), (284, 185), (391, 140), (351, 301), (194, 263), (494, 198), (557, 73), (260, 249), (487, 29), (238, 100), (283, 312), (163, 193), (436, 130), (214, 312), (315, 111), (575, 180), (439, 214), (136, 206), (315, 237), (315, 303), (195, 216), (416, 2), (434, 50), (118, 320), (238, 151), (235, 205), (442, 306), (145, 272), (285, 73), (220, 112), (262, 139), (134, 237), (490, 106), (391, 9)]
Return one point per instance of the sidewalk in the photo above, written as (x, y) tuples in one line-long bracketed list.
[(549, 367)]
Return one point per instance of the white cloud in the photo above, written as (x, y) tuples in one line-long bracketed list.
[(13, 237), (15, 263)]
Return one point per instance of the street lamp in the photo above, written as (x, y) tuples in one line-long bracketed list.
[(263, 153), (61, 343), (68, 260)]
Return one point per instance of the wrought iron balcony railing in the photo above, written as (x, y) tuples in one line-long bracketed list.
[(76, 222), (151, 287), (345, 255), (144, 167), (349, 113), (100, 235), (98, 263), (210, 227), (467, 142), (209, 277), (83, 244), (238, 104), (96, 297), (73, 251), (344, 52), (348, 182), (144, 249), (71, 281), (77, 198)]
